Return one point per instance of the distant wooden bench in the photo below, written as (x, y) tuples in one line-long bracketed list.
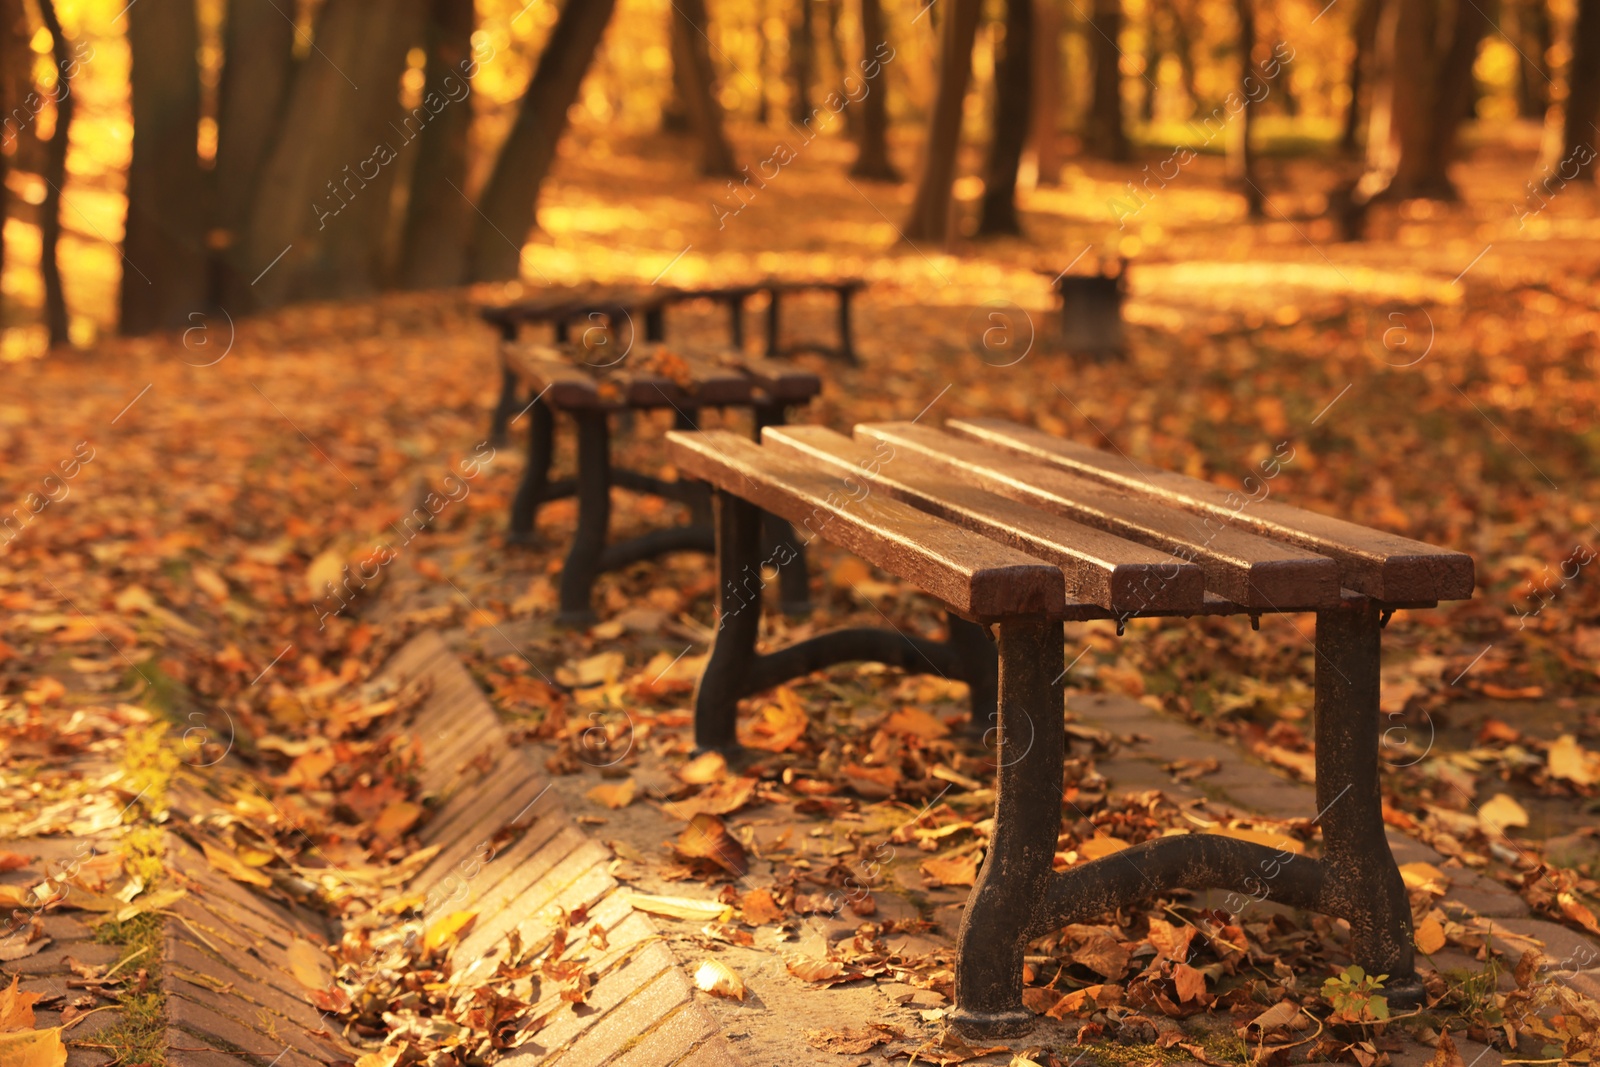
[(1010, 526), (602, 311), (558, 378)]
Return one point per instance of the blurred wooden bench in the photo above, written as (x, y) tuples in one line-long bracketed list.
[(1013, 528), (558, 378), (1091, 299)]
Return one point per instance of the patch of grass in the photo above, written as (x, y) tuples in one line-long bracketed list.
[(139, 1036)]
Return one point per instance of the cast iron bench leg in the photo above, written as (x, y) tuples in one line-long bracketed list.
[(1363, 883), (847, 349), (655, 324), (1016, 872), (727, 674), (772, 323), (505, 408), (736, 321), (535, 476), (594, 519)]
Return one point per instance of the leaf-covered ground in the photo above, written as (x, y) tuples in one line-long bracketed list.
[(175, 508)]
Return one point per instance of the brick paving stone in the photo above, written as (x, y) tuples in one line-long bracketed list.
[(568, 1023), (53, 958), (622, 1026), (1566, 949), (713, 1053), (269, 983), (1476, 893), (206, 1020), (470, 880), (468, 819), (528, 879), (672, 1038)]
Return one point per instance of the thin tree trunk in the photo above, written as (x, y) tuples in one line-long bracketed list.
[(1152, 67), (1106, 136), (1240, 141), (1363, 34), (1183, 46), (434, 241), (699, 87), (1534, 35), (510, 200), (931, 210), (674, 111), (163, 245), (258, 68), (1455, 92), (1046, 91), (1431, 92), (1583, 82), (852, 121), (321, 223), (872, 154), (14, 82), (763, 63), (1013, 93), (802, 65), (55, 176)]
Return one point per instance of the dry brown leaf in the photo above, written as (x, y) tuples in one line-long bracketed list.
[(13, 861), (722, 798), (812, 970), (917, 723), (779, 725), (704, 769), (1500, 813), (450, 928), (959, 869), (33, 1048), (1445, 1055), (1099, 846), (614, 795), (686, 908), (1570, 760), (853, 1042), (309, 964), (1269, 838), (230, 865), (758, 907), (874, 783), (719, 980), (707, 838), (1430, 934), (1190, 982), (1103, 956), (16, 1007)]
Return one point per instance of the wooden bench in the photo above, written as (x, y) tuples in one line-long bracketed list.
[(558, 378), (1015, 528), (603, 310), (1091, 307)]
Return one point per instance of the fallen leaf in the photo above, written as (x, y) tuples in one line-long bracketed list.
[(961, 869), (230, 865), (779, 725), (33, 1048), (16, 1007), (1099, 846), (1280, 841), (1430, 935), (687, 908), (719, 980), (721, 798), (309, 964), (916, 723), (614, 795), (1424, 876), (1280, 1015), (704, 769), (384, 1057), (707, 838), (12, 861), (1570, 760), (758, 907), (1103, 956), (853, 1042), (1500, 813), (450, 928), (1445, 1055), (1190, 982), (811, 970)]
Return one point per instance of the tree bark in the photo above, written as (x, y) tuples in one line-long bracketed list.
[(1152, 67), (841, 70), (434, 242), (698, 84), (1046, 105), (802, 65), (1105, 135), (872, 151), (1583, 82), (931, 210), (1363, 34), (258, 68), (1183, 46), (163, 245), (15, 85), (1534, 35), (55, 176), (321, 222), (1240, 142), (510, 200), (1013, 93)]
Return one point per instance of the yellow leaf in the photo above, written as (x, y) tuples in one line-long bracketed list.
[(1571, 761), (1101, 845), (396, 819), (719, 980), (229, 864), (308, 964), (952, 870), (16, 1008), (681, 907), (614, 795), (1500, 813), (384, 1057), (447, 929), (1282, 842), (1430, 934), (327, 569), (1424, 876), (33, 1048)]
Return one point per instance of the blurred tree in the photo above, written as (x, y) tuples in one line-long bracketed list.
[(1013, 92), (841, 69), (872, 153), (321, 216), (1104, 132), (929, 219), (1183, 48), (1046, 91), (697, 82), (1240, 139), (55, 176), (258, 67), (802, 65), (434, 241), (163, 245), (1534, 34), (15, 81), (1583, 83), (507, 208), (1152, 66), (1363, 38)]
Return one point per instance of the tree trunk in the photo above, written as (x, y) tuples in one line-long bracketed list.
[(55, 176), (802, 65), (763, 63), (14, 87), (872, 152), (1152, 67), (321, 222), (931, 210), (1013, 92), (1183, 46), (258, 68), (1046, 91), (699, 87), (1105, 136), (1431, 92), (1583, 82), (1240, 142), (510, 200), (1363, 34), (163, 244), (674, 112), (434, 242), (1455, 92), (852, 121), (1533, 34)]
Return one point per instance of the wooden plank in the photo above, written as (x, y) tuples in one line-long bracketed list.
[(650, 379), (549, 372), (1249, 570), (782, 380), (971, 574), (1115, 573), (1382, 565)]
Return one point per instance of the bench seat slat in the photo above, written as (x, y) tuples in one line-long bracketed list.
[(1101, 568), (973, 575), (1239, 566), (1382, 565)]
